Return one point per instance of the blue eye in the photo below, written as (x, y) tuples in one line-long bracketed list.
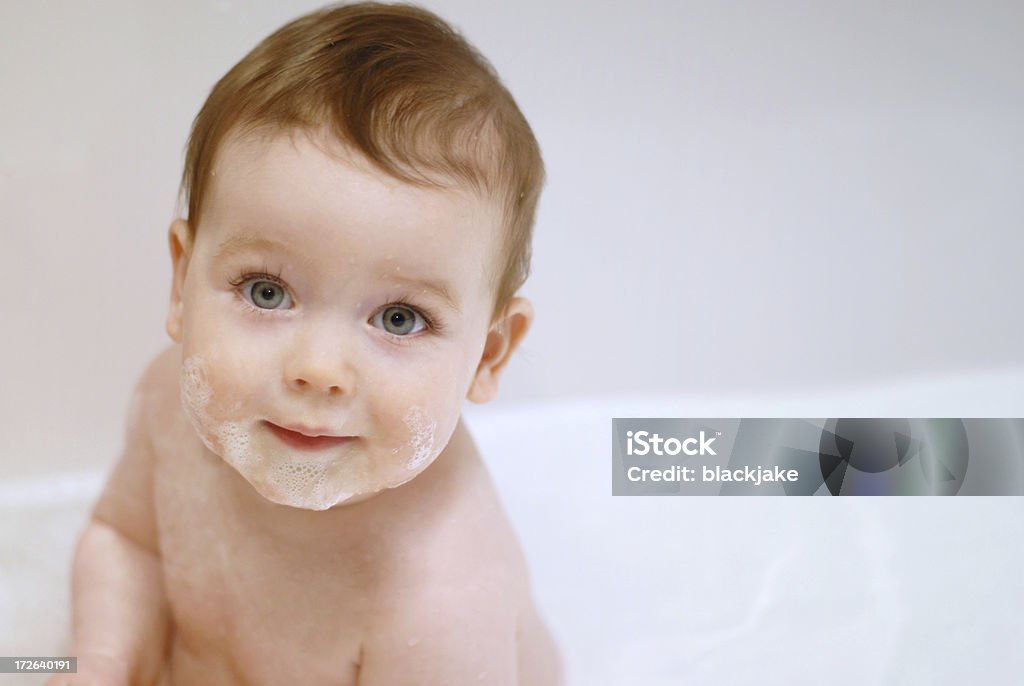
[(399, 320), (267, 295)]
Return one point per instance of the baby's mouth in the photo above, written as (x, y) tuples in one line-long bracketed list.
[(296, 439)]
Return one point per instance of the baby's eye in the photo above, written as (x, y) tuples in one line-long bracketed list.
[(267, 295), (399, 320)]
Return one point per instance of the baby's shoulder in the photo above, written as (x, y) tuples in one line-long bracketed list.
[(126, 502), (161, 373), (475, 545), (464, 536), (453, 606), (157, 393), (450, 534)]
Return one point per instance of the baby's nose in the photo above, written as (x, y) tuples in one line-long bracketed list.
[(317, 382), (320, 368)]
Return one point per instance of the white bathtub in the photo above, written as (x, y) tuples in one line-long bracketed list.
[(657, 591)]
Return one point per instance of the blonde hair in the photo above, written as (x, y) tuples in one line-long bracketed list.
[(400, 86)]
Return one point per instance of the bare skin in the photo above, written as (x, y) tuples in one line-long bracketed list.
[(395, 585), (321, 301)]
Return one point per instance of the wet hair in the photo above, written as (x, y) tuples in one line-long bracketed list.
[(400, 86)]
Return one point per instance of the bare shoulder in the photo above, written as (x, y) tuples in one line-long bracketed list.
[(158, 385), (126, 502), (456, 607), (450, 614)]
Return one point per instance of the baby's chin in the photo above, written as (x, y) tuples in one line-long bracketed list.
[(317, 504), (316, 501), (316, 496), (305, 481), (301, 486), (298, 481)]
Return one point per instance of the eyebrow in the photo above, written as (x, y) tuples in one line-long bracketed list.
[(236, 244)]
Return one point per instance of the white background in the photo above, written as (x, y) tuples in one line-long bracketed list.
[(741, 195)]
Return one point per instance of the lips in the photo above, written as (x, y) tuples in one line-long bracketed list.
[(306, 439)]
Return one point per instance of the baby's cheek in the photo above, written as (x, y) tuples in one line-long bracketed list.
[(196, 395), (427, 429), (212, 411), (421, 446)]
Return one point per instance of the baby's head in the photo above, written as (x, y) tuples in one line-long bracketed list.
[(361, 192)]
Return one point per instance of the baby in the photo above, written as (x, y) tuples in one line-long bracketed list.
[(299, 501)]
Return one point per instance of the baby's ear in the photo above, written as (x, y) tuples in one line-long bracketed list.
[(502, 340), (180, 238)]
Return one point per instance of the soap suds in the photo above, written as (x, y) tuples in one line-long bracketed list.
[(422, 429), (195, 391), (195, 397), (281, 475), (234, 439)]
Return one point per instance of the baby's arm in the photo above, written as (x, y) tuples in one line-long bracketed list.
[(120, 615)]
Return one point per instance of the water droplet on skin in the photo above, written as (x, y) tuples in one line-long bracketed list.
[(412, 642), (481, 676)]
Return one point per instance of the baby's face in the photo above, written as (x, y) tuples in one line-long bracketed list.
[(331, 318)]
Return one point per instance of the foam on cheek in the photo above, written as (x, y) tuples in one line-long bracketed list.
[(195, 391), (228, 439), (195, 397), (235, 441), (422, 430)]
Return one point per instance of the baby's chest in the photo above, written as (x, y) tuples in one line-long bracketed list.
[(261, 611)]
